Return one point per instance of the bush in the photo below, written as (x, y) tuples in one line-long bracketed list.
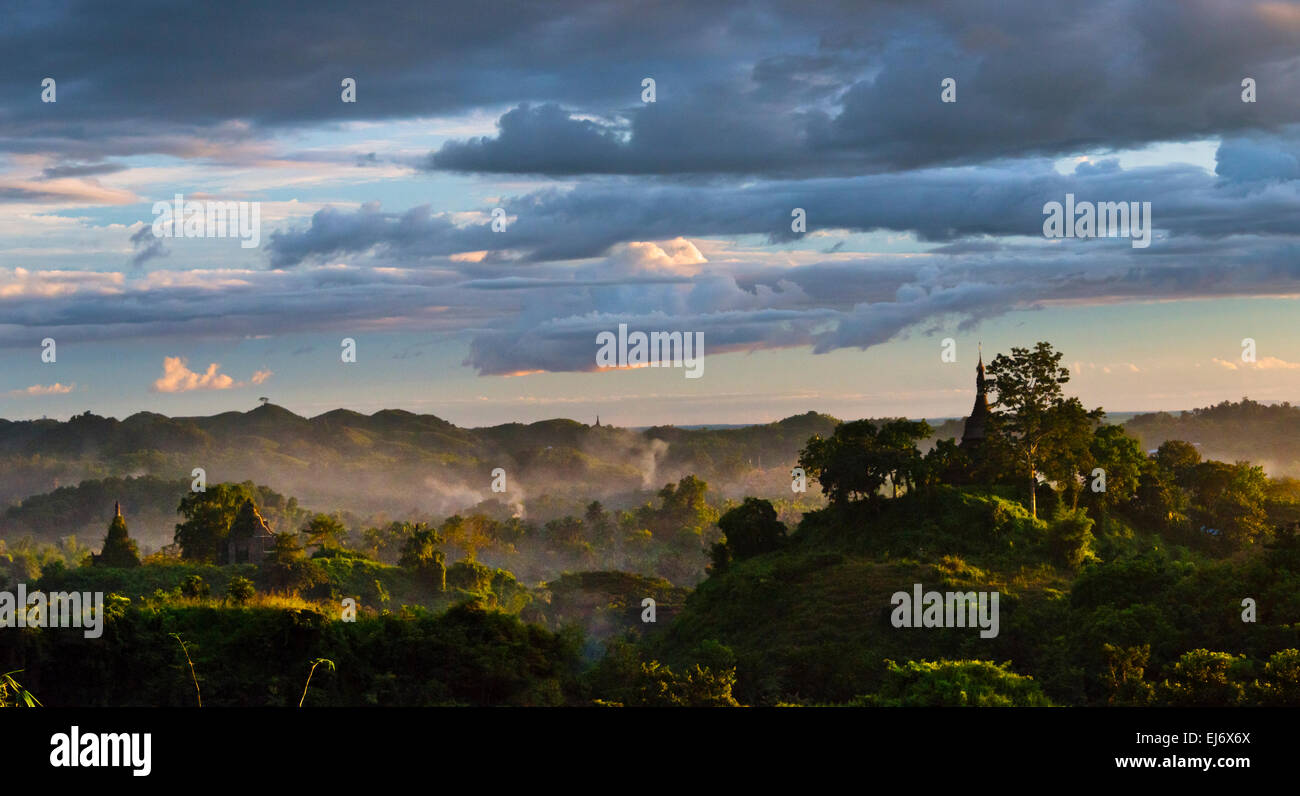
[(946, 683), (1069, 538), (470, 576), (240, 590), (751, 529), (1202, 678), (195, 587), (1281, 682)]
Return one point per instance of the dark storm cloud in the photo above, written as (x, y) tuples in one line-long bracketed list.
[(1032, 79), (762, 107), (80, 170), (158, 76), (778, 88)]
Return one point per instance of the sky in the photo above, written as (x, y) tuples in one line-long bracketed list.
[(923, 219)]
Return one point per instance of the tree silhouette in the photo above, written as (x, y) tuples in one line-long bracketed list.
[(1033, 415)]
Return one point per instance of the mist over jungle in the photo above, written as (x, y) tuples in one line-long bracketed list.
[(61, 478)]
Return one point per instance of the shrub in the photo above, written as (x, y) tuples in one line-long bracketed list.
[(1207, 679), (240, 590), (947, 683), (1069, 538), (195, 587), (1281, 682)]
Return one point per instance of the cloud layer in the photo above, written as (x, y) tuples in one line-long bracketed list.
[(674, 215)]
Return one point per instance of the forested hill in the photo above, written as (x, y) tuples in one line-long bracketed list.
[(1267, 435), (395, 460)]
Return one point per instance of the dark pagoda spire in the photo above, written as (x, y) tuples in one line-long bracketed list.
[(979, 413)]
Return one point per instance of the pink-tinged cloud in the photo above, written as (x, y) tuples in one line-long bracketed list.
[(1264, 363), (40, 389), (179, 378), (74, 191), (1273, 363)]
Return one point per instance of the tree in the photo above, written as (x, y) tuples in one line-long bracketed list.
[(385, 544), (898, 453), (844, 464), (1123, 678), (119, 549), (208, 517), (1157, 501), (1066, 456), (1202, 678), (599, 527), (685, 511), (751, 529), (1032, 412), (719, 558), (949, 683), (946, 463), (622, 678), (1229, 500), (1120, 457), (420, 554), (1069, 538), (1179, 459), (325, 531), (287, 568), (858, 459)]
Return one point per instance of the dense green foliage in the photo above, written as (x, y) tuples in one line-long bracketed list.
[(954, 684), (1124, 578)]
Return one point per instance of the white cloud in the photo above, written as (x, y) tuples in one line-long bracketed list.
[(677, 257), (39, 389)]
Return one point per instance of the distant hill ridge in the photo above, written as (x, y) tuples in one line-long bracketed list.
[(1266, 434), (393, 460)]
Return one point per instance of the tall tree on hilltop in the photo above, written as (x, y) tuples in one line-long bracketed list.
[(898, 452), (844, 464), (859, 458), (1034, 416)]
